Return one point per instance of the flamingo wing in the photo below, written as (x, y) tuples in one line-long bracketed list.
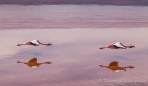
[(113, 64), (33, 60), (119, 44)]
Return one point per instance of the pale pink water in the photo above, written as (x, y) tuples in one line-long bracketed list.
[(71, 16), (76, 40)]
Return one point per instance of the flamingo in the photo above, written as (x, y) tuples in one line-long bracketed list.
[(34, 43), (118, 45), (33, 63), (114, 67)]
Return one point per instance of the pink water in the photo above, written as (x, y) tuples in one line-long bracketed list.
[(71, 16), (76, 35)]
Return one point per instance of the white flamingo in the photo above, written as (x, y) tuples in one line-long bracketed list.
[(34, 43), (117, 45)]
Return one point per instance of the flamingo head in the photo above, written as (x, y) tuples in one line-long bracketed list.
[(131, 67), (49, 44), (101, 48), (131, 46), (48, 62), (18, 45), (18, 62), (101, 65)]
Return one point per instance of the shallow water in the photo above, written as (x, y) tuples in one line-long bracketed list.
[(76, 32), (75, 55)]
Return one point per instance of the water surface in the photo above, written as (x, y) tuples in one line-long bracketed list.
[(72, 16), (75, 55), (76, 32)]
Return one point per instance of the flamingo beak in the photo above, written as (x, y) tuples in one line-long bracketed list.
[(132, 46), (18, 44), (18, 62)]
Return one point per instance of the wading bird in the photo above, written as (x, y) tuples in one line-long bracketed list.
[(114, 67), (33, 63), (117, 45), (34, 43)]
